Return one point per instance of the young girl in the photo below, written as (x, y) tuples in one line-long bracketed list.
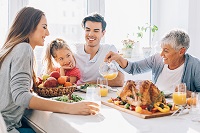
[(62, 54), (17, 75)]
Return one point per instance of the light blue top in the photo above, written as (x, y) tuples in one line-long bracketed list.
[(191, 73), (15, 83)]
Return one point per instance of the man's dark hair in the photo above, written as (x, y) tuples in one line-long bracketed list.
[(95, 17)]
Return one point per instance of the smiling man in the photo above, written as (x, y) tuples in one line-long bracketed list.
[(90, 56)]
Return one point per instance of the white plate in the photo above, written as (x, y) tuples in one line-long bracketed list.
[(167, 93), (84, 90), (81, 90)]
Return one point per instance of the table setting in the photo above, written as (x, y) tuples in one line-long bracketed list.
[(118, 117), (111, 119)]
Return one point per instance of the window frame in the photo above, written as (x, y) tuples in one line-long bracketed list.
[(92, 6)]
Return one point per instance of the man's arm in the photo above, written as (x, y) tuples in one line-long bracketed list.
[(118, 81)]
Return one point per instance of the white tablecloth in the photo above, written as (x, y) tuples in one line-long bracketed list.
[(110, 120)]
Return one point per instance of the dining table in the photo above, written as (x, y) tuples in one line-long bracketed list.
[(108, 120)]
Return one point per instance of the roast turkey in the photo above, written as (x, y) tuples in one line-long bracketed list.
[(141, 92)]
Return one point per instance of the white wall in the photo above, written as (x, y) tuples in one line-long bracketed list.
[(183, 14), (170, 14), (166, 14), (194, 27)]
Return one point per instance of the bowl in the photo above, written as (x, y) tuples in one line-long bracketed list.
[(54, 91)]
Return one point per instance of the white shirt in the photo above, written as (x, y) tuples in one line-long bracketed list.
[(90, 68), (169, 78)]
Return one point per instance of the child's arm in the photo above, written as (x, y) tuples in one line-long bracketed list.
[(72, 79), (62, 71)]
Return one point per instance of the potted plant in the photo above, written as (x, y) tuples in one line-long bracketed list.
[(141, 31), (128, 45)]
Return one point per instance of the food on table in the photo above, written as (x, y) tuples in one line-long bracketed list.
[(84, 86), (174, 107), (53, 80), (170, 105), (45, 77), (142, 92), (55, 74), (162, 107), (39, 80), (41, 85), (53, 86), (64, 98), (138, 109), (142, 97), (50, 82), (62, 80), (66, 84), (191, 101)]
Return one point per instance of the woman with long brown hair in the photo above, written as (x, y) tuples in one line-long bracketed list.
[(17, 75)]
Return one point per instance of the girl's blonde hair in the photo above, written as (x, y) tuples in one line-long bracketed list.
[(50, 53)]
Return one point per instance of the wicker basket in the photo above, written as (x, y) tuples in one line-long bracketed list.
[(54, 91)]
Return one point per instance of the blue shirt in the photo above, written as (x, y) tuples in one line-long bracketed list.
[(191, 73)]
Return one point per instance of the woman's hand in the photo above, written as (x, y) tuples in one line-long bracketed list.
[(83, 108), (78, 108), (115, 56)]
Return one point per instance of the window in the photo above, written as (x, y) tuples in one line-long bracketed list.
[(124, 17), (64, 19), (4, 20)]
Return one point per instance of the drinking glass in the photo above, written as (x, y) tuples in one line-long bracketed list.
[(194, 106), (179, 97), (108, 70), (103, 84), (93, 94), (194, 102)]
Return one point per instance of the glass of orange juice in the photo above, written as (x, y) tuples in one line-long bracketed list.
[(108, 70), (179, 96), (103, 85)]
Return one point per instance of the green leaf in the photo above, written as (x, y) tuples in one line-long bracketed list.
[(139, 94)]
